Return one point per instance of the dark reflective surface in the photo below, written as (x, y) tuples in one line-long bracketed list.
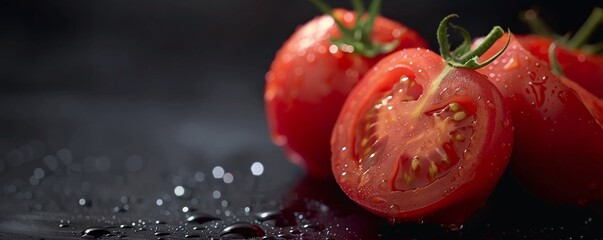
[(131, 120)]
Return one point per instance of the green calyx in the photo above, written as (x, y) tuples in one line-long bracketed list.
[(579, 40), (358, 38), (463, 56)]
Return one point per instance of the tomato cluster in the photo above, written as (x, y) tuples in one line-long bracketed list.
[(411, 135)]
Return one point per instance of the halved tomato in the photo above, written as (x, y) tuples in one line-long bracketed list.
[(420, 140)]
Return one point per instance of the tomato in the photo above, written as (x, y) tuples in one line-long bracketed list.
[(558, 152), (579, 61), (418, 139), (581, 67), (311, 77)]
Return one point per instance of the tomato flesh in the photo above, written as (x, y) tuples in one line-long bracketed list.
[(419, 140)]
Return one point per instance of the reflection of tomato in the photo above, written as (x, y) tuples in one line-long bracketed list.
[(558, 152), (310, 79), (418, 139)]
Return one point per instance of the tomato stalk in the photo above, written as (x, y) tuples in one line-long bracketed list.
[(358, 38), (463, 56), (553, 60), (578, 41)]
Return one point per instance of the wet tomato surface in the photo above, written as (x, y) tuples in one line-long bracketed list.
[(558, 131), (310, 79), (420, 140)]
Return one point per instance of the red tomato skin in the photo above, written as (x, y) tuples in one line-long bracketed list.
[(558, 152), (582, 68), (461, 191), (310, 79)]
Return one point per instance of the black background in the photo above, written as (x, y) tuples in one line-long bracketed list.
[(179, 86)]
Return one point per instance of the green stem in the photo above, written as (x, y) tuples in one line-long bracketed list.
[(373, 12), (553, 60), (442, 35), (537, 25), (466, 45), (359, 36), (593, 48), (464, 57), (358, 7), (585, 32)]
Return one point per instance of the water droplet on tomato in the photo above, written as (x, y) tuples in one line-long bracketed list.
[(394, 208), (298, 71), (333, 49), (539, 92), (310, 58), (532, 75)]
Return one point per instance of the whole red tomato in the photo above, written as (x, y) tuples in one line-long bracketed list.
[(558, 152), (580, 62), (583, 68), (312, 75), (419, 139)]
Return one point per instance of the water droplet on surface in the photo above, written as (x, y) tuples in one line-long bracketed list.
[(257, 168), (159, 202), (63, 225), (242, 230), (95, 232), (286, 236), (179, 191), (159, 234), (201, 218), (125, 226), (218, 172), (122, 209), (267, 215), (199, 176), (191, 236), (38, 173), (228, 178), (216, 194), (314, 226), (85, 202)]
